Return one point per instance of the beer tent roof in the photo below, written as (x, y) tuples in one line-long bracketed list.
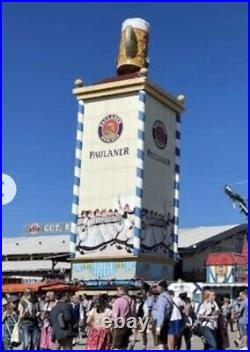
[(226, 259), (42, 286), (192, 236), (31, 265), (35, 244)]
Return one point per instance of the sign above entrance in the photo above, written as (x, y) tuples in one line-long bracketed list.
[(51, 228)]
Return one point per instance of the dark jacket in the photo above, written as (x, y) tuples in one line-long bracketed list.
[(62, 311), (76, 310), (222, 333)]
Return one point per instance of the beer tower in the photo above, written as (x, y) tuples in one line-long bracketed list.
[(125, 210)]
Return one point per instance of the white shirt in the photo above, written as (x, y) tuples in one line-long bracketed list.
[(176, 312), (209, 309), (96, 320)]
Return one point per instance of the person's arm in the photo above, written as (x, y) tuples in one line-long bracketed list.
[(44, 315), (183, 307), (133, 308), (38, 310), (241, 309), (22, 312), (90, 317), (161, 307), (4, 316), (146, 309), (205, 317)]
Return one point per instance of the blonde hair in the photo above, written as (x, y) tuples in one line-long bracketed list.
[(207, 294), (28, 291), (50, 294)]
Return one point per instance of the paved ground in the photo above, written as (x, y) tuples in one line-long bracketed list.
[(196, 343)]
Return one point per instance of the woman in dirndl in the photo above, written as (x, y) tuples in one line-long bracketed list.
[(46, 330), (99, 336)]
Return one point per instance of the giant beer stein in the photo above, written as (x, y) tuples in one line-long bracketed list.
[(133, 46)]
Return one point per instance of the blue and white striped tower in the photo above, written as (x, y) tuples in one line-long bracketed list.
[(177, 186), (77, 177), (139, 172)]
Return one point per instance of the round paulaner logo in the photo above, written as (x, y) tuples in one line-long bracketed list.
[(34, 229), (159, 134), (110, 128)]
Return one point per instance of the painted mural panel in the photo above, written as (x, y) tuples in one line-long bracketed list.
[(220, 274), (225, 274), (158, 184)]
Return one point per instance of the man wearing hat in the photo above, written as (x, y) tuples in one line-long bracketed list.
[(161, 315)]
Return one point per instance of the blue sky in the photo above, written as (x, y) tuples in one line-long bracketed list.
[(199, 49)]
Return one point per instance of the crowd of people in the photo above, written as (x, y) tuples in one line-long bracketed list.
[(57, 320)]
